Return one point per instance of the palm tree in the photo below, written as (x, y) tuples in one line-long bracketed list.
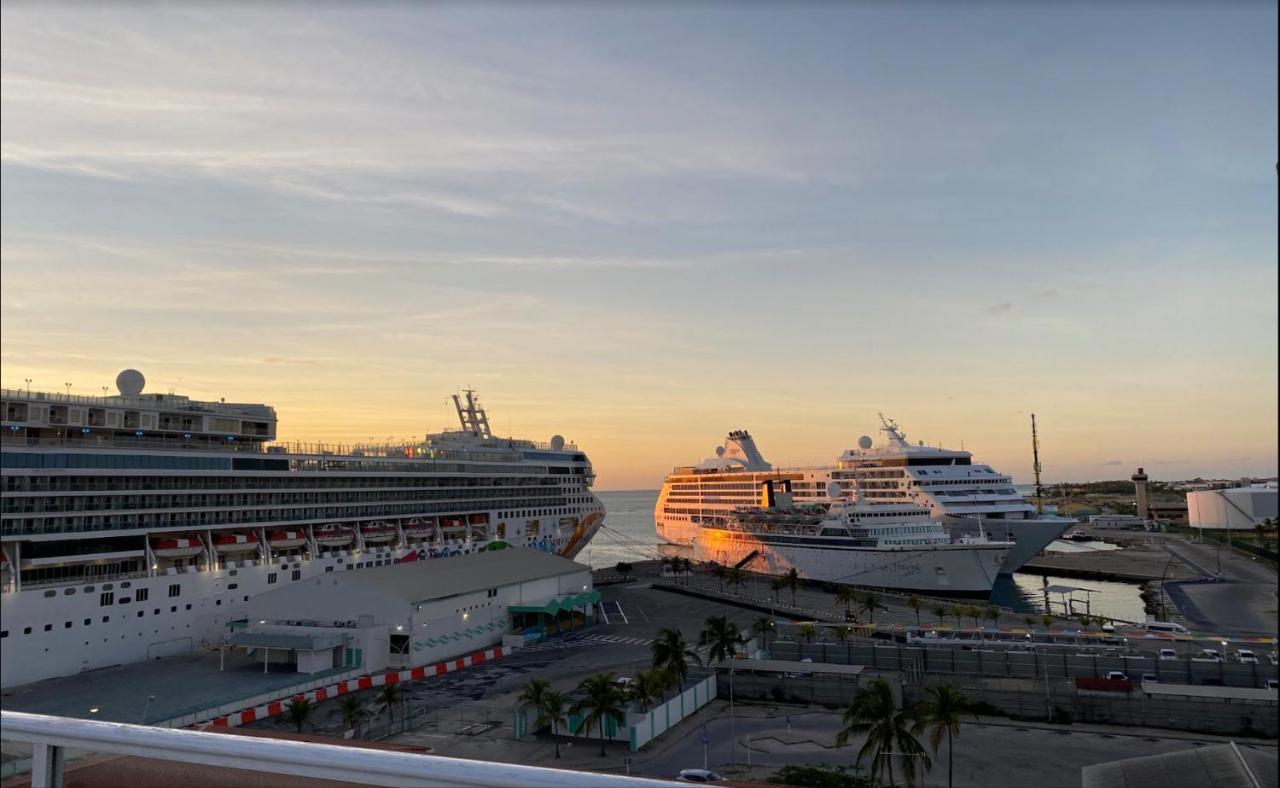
[(915, 603), (888, 731), (846, 595), (868, 604), (1030, 621), (1047, 620), (671, 652), (734, 577), (601, 702), (792, 580), (807, 631), (623, 568), (776, 585), (533, 694), (993, 615), (842, 632), (942, 611), (958, 612), (647, 687), (762, 626), (353, 711), (940, 713), (687, 564), (390, 696), (297, 711), (554, 710), (721, 636), (974, 612), (719, 573)]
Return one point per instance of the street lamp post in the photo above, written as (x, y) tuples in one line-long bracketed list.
[(28, 381)]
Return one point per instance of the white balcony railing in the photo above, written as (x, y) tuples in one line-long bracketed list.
[(50, 736)]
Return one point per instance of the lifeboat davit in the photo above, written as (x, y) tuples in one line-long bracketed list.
[(285, 540), (419, 529), (234, 543), (378, 533), (176, 547), (334, 536)]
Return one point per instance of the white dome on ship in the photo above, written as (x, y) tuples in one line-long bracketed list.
[(130, 383), (557, 442), (864, 442)]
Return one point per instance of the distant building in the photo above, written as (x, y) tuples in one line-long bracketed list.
[(1118, 521), (1238, 509)]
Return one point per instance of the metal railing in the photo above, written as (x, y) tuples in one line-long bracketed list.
[(51, 736)]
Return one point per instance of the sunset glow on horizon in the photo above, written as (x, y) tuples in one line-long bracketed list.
[(642, 228)]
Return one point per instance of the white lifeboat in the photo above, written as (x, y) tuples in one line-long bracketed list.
[(285, 540), (333, 536), (452, 524), (176, 547), (234, 543), (378, 533), (417, 528)]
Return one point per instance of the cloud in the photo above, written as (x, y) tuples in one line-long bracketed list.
[(999, 309), (283, 360)]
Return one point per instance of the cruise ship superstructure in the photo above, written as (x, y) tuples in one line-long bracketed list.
[(970, 500), (139, 525)]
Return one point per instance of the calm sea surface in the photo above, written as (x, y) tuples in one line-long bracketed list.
[(628, 535)]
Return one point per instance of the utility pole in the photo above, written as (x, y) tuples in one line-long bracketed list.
[(1035, 465)]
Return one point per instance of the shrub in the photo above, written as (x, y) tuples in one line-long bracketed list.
[(822, 777)]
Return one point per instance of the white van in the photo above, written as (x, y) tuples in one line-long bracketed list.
[(1168, 627)]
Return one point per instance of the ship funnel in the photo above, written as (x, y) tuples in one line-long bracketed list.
[(740, 446)]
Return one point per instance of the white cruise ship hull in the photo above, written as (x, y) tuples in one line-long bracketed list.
[(947, 569), (1029, 536)]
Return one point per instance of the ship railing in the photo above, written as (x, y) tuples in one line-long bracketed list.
[(168, 401), (50, 737)]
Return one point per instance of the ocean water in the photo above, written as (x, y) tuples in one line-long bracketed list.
[(628, 535)]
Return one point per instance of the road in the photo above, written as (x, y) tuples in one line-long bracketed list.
[(1244, 603)]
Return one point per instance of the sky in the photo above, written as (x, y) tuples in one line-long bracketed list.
[(643, 226)]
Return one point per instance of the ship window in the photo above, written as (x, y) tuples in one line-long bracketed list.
[(4, 633), (271, 578), (105, 598), (219, 602), (188, 606), (88, 621), (125, 584), (297, 574), (26, 630), (175, 590), (141, 594), (88, 589), (141, 613), (67, 625), (124, 600), (105, 619), (51, 592), (68, 591), (48, 627), (173, 609), (233, 585), (233, 572), (328, 569)]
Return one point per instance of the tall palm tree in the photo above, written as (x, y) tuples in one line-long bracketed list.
[(792, 581), (601, 701), (888, 731), (776, 585), (735, 577), (671, 652), (721, 636), (868, 604), (915, 603), (974, 612), (390, 696), (553, 711), (297, 711), (719, 573), (846, 595), (807, 631), (1047, 620), (842, 632), (353, 711), (993, 615), (940, 713), (647, 687), (533, 694), (762, 626), (942, 611), (1030, 621)]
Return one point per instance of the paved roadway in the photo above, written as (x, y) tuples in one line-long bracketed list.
[(1244, 604), (987, 755)]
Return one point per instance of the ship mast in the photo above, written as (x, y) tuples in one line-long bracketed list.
[(1035, 465)]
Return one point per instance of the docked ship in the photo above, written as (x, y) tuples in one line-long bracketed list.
[(970, 500), (138, 525), (850, 540)]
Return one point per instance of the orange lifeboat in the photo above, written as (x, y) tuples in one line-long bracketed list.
[(176, 547), (417, 528), (286, 540), (234, 543)]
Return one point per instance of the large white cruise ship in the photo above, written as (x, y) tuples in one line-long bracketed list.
[(970, 500), (140, 525)]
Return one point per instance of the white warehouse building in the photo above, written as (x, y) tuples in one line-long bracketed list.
[(420, 612), (1237, 509)]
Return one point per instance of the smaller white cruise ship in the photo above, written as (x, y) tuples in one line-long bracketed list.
[(884, 545)]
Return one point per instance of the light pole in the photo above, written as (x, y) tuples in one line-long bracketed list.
[(68, 385), (28, 381)]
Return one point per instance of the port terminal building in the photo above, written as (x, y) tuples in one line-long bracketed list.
[(1240, 508), (417, 612)]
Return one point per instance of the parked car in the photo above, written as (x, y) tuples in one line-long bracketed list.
[(1116, 675), (1210, 654), (1273, 684), (698, 776), (1246, 657), (1150, 678), (624, 681), (1168, 655)]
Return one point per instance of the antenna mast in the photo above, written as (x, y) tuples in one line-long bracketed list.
[(1035, 465)]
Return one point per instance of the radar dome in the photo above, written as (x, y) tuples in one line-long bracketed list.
[(130, 383), (557, 442), (864, 442), (719, 451), (833, 490)]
